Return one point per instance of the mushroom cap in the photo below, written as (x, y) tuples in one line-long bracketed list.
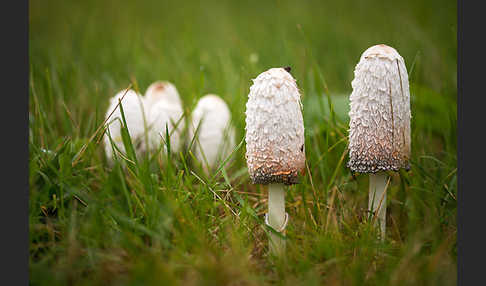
[(133, 109), (381, 51), (379, 126), (166, 110), (275, 151), (216, 136), (161, 90)]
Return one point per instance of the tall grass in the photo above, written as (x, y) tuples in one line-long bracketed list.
[(164, 220)]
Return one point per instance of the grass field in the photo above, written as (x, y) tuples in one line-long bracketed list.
[(165, 222)]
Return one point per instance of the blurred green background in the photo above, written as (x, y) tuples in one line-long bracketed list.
[(226, 43), (82, 52)]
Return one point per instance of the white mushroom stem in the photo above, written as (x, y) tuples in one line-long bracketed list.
[(275, 143), (377, 200), (276, 218)]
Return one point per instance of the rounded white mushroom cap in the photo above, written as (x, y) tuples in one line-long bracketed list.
[(216, 136), (162, 89), (275, 151), (133, 109), (164, 108), (379, 127)]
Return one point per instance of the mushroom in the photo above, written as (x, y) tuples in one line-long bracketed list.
[(132, 104), (164, 108), (275, 152), (379, 127), (161, 89), (215, 137)]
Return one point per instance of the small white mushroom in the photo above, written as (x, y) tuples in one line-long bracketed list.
[(275, 152), (164, 108), (216, 136), (159, 90), (379, 127), (133, 109)]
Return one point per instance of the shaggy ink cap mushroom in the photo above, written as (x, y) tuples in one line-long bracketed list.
[(216, 135), (275, 151), (379, 127), (159, 90), (164, 108), (132, 103)]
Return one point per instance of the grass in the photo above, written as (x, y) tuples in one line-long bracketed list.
[(163, 220)]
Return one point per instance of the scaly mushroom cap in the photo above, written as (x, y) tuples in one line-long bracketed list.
[(164, 108), (132, 107), (216, 137), (275, 151), (159, 90), (379, 127)]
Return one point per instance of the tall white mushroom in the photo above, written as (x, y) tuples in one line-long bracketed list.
[(132, 104), (275, 151), (379, 127), (216, 136), (164, 108)]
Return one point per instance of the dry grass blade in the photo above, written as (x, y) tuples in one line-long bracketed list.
[(83, 149), (337, 168), (313, 188), (381, 200), (331, 208), (211, 189)]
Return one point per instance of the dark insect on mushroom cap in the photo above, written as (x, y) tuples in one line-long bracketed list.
[(275, 151), (379, 126)]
